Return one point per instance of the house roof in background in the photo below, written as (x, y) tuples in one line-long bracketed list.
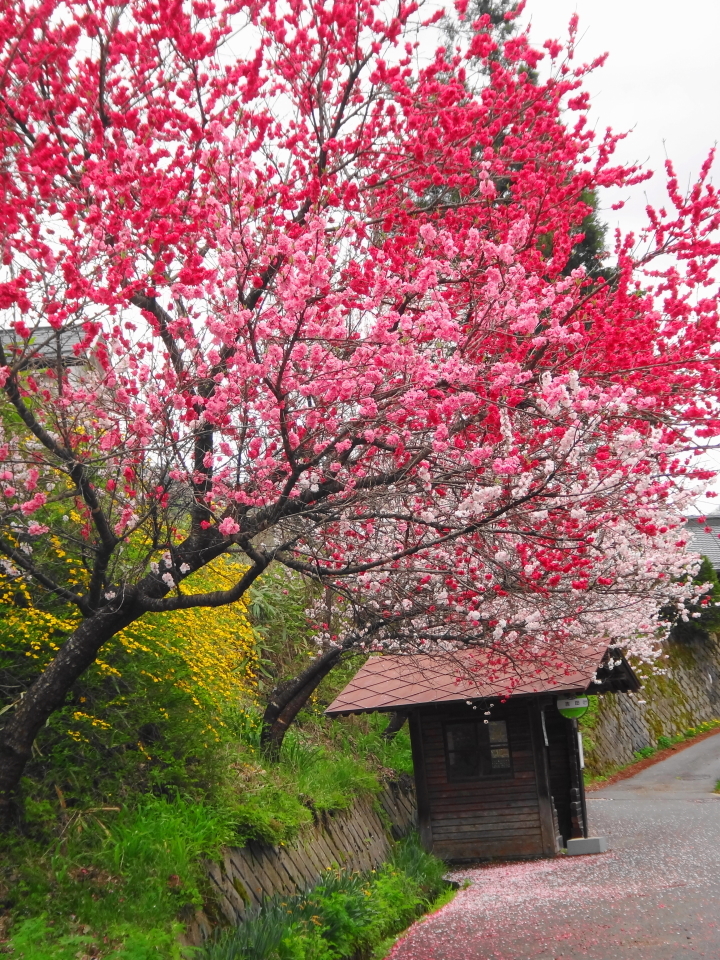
[(403, 682), (708, 544), (46, 347)]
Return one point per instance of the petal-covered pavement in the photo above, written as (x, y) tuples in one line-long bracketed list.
[(654, 896)]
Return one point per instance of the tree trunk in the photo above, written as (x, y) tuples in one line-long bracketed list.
[(397, 721), (288, 699), (48, 694)]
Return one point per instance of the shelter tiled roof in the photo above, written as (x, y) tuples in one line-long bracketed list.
[(402, 682)]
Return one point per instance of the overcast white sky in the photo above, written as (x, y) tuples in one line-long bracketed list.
[(661, 80)]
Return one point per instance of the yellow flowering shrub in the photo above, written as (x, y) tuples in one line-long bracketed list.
[(162, 691), (217, 645)]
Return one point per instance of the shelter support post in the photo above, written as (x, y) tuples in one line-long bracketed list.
[(548, 827), (578, 806)]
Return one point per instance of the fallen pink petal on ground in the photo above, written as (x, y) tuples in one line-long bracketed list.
[(654, 896)]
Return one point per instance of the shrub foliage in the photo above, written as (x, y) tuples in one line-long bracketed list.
[(154, 764)]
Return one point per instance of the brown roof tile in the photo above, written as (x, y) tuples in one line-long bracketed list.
[(395, 682)]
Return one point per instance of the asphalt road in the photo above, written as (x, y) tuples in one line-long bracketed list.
[(654, 896)]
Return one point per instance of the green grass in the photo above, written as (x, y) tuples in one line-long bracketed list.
[(347, 915), (38, 939), (324, 765), (119, 878), (382, 950), (114, 879)]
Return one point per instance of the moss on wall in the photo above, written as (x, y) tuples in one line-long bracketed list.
[(681, 691)]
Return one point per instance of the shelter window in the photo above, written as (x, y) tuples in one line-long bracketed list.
[(499, 746), (474, 749)]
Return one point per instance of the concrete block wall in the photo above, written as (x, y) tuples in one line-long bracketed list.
[(686, 693)]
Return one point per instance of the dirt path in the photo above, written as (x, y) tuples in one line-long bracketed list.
[(654, 896)]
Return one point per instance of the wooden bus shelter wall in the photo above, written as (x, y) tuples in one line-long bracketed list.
[(504, 816)]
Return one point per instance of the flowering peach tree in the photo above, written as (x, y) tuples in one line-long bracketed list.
[(271, 288)]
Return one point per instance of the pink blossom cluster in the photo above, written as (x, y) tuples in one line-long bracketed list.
[(291, 295)]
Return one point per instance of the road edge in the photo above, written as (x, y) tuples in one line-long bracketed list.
[(640, 765)]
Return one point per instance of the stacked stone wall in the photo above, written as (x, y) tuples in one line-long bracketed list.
[(355, 839), (686, 693)]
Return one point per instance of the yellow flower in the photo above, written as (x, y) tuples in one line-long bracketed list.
[(209, 654)]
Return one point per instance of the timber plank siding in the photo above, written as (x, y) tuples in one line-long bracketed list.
[(484, 817), (497, 767)]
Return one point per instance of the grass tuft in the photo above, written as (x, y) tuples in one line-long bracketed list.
[(347, 915)]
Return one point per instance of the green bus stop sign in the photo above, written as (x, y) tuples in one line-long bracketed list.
[(572, 707)]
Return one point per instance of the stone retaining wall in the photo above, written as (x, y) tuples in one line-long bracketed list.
[(687, 693), (355, 839)]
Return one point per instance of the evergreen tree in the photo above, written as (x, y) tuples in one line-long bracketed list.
[(704, 613)]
